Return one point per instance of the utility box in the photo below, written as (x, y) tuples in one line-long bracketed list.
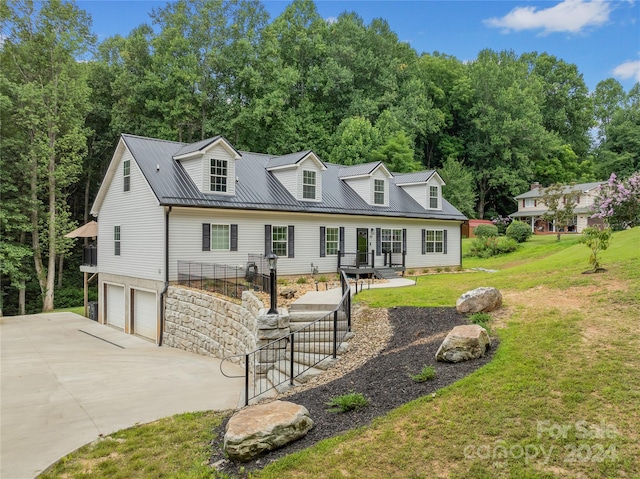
[(93, 310)]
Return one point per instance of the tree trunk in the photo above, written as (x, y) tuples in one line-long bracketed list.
[(22, 299), (35, 232), (47, 299), (87, 191), (60, 269), (482, 194)]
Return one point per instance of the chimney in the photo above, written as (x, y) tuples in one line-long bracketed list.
[(535, 185)]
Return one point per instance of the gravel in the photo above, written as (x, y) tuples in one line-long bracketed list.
[(385, 352)]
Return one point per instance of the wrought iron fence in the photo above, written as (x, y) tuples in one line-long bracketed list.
[(356, 260), (282, 360), (224, 279)]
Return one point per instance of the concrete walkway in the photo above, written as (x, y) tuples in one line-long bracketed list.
[(65, 380), (328, 300)]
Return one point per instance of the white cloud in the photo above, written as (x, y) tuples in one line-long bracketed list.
[(567, 16), (331, 20), (628, 70)]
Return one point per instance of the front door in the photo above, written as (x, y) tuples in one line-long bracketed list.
[(363, 245)]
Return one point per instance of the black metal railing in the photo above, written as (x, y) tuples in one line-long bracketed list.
[(282, 360), (356, 260), (394, 259), (90, 255), (225, 279)]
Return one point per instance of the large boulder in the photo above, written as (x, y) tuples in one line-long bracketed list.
[(465, 342), (480, 299), (258, 429)]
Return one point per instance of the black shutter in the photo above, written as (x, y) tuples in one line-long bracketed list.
[(444, 241), (378, 242), (341, 244), (404, 240), (234, 238), (424, 244), (323, 241), (290, 239), (206, 237), (267, 240)]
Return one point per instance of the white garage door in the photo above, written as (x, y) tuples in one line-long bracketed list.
[(144, 314), (115, 305)]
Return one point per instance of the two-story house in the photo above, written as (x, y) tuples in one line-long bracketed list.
[(531, 207), (162, 202)]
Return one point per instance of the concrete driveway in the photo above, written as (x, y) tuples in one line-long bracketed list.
[(66, 379)]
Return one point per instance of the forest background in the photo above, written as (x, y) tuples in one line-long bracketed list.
[(349, 91)]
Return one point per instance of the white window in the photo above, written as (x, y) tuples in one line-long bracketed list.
[(391, 241), (279, 240), (116, 240), (331, 242), (220, 237), (529, 203), (434, 241), (309, 185), (433, 197), (219, 176), (378, 192), (126, 173)]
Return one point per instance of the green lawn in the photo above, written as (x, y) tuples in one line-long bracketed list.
[(561, 397)]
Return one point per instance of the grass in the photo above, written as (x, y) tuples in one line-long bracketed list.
[(347, 402), (77, 310), (427, 374), (561, 398)]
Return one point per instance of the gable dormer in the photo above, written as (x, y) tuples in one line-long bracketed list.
[(423, 186), (211, 165), (300, 173), (370, 181)]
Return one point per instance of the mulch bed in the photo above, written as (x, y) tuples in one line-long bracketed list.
[(384, 380)]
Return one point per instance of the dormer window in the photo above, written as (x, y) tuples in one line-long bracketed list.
[(378, 192), (434, 195), (308, 185), (219, 171), (126, 174)]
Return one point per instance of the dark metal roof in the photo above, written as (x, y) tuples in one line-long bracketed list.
[(358, 170), (257, 188), (200, 145), (417, 177), (286, 160)]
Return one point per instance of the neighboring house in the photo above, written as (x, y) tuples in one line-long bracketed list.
[(162, 202), (469, 227), (531, 208)]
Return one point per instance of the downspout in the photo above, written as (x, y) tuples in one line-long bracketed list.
[(461, 224), (166, 273)]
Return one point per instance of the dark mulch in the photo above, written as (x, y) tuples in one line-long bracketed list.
[(384, 380)]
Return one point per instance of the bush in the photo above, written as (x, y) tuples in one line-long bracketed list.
[(301, 280), (481, 319), (492, 246), (427, 374), (347, 402), (519, 231), (485, 231)]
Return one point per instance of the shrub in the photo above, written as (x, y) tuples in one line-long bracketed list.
[(485, 231), (322, 279), (411, 272), (301, 280), (481, 319), (501, 223), (347, 402), (597, 240), (427, 374), (519, 231), (283, 281), (492, 246)]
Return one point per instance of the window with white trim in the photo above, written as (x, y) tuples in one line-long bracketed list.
[(220, 237), (308, 184), (434, 197), (378, 192), (126, 174), (434, 241), (116, 240), (279, 240), (529, 203), (391, 240), (331, 241), (219, 173)]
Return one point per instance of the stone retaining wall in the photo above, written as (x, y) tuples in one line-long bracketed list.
[(202, 323)]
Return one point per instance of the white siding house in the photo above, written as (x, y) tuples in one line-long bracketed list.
[(165, 202)]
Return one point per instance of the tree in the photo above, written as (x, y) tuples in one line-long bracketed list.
[(459, 189), (561, 202), (397, 154), (354, 141), (48, 89), (618, 202), (597, 240)]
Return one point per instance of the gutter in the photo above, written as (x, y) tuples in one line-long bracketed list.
[(166, 273)]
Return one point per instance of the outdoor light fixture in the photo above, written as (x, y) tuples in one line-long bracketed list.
[(272, 259)]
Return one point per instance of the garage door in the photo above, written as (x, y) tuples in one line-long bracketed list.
[(115, 305), (144, 314)]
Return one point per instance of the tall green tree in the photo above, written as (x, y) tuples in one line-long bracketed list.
[(354, 141), (47, 87), (397, 154), (459, 189), (561, 203)]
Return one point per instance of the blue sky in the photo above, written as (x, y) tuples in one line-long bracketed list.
[(601, 37)]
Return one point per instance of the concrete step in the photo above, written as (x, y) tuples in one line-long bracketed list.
[(386, 273), (301, 372), (263, 387), (306, 316), (325, 336), (318, 361), (280, 380), (318, 326), (319, 348)]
